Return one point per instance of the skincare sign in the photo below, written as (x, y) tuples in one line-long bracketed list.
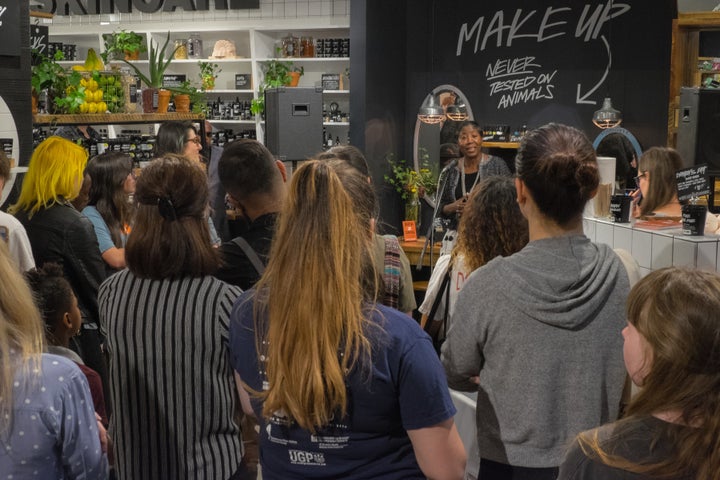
[(10, 28), (95, 7), (692, 182)]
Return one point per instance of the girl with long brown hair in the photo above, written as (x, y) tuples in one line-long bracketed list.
[(672, 351), (112, 182), (343, 387), (491, 226)]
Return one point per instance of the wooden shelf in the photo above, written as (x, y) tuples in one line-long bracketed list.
[(112, 118), (508, 145)]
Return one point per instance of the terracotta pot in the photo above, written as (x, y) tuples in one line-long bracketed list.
[(163, 100), (182, 103), (131, 55), (294, 79), (34, 102), (149, 99)]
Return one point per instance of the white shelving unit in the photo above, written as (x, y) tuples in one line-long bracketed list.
[(254, 45)]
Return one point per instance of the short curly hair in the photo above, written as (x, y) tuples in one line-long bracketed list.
[(492, 224)]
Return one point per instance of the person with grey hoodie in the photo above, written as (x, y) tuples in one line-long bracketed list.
[(541, 328)]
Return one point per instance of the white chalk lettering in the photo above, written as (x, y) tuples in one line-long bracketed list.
[(499, 31), (507, 67)]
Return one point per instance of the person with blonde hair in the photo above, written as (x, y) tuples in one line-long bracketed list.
[(672, 350), (343, 387), (657, 186), (60, 234), (539, 327), (48, 428), (167, 321)]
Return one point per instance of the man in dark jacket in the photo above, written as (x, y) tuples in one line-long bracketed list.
[(255, 184)]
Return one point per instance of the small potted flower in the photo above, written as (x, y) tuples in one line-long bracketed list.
[(208, 74), (186, 95), (295, 75), (123, 44)]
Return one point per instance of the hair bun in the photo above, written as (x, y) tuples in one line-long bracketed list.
[(587, 177)]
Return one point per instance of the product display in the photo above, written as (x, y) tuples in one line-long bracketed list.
[(244, 54), (224, 49)]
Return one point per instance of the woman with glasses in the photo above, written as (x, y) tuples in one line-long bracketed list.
[(112, 182), (181, 138), (657, 187)]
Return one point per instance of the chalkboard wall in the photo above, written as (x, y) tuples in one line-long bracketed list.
[(530, 63), (571, 55)]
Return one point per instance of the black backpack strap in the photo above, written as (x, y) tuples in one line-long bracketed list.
[(443, 291), (251, 254)]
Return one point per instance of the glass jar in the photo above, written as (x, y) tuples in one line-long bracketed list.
[(180, 50), (289, 46), (307, 47), (194, 46)]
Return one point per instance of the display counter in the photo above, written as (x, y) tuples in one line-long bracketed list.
[(655, 249)]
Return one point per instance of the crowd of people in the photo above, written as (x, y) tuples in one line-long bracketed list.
[(295, 341)]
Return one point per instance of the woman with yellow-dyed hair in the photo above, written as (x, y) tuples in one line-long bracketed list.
[(343, 387), (59, 233)]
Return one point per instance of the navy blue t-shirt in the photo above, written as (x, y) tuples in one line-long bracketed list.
[(406, 391)]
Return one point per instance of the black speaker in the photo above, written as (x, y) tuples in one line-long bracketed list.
[(293, 122), (698, 140)]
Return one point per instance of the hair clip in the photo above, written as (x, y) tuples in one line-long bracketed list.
[(166, 208)]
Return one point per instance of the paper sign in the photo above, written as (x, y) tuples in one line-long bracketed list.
[(692, 182), (409, 233)]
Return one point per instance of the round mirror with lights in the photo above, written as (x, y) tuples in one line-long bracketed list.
[(429, 136)]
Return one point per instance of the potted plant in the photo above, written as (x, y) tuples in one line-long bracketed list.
[(276, 74), (187, 95), (157, 64), (123, 44), (208, 73), (48, 75), (295, 75)]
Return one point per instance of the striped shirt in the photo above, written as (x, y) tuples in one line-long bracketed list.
[(171, 383)]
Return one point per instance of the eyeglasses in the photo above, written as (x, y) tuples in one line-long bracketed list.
[(637, 179), (195, 140)]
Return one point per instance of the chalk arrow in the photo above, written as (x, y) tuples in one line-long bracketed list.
[(583, 98)]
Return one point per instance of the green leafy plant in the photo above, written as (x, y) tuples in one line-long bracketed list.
[(407, 181), (276, 74), (48, 73), (208, 73), (209, 69), (157, 64), (74, 95), (117, 44)]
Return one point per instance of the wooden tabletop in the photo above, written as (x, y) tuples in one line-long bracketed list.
[(414, 248)]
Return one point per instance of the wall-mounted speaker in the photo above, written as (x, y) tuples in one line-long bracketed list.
[(698, 140), (293, 122)]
